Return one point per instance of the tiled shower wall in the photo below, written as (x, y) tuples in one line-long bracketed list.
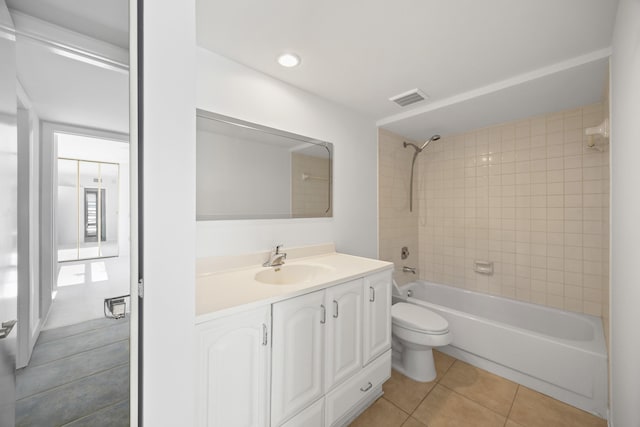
[(397, 226), (529, 196)]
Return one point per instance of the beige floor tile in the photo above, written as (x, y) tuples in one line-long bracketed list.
[(381, 414), (412, 422), (533, 409), (511, 423), (446, 408), (487, 389), (443, 363), (407, 393)]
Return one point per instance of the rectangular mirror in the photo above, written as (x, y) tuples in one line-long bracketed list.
[(249, 171)]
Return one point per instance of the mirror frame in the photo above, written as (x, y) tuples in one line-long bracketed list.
[(200, 113)]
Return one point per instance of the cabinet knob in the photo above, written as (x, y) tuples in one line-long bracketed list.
[(335, 307), (372, 294), (323, 319)]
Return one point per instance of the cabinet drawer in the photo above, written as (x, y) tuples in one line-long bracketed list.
[(313, 416), (346, 396)]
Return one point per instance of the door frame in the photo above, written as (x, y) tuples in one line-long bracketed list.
[(49, 198)]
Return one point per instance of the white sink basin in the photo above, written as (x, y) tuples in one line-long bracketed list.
[(290, 274)]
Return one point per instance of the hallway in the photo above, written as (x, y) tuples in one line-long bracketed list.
[(78, 376), (82, 288)]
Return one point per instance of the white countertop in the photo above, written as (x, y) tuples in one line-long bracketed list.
[(221, 293)]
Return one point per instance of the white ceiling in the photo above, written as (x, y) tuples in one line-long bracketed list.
[(361, 52), (68, 91), (106, 20), (67, 88)]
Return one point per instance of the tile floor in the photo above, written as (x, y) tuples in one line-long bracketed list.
[(78, 375), (465, 396)]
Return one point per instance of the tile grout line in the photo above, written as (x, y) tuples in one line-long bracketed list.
[(71, 382), (437, 381), (515, 395), (94, 412), (403, 411), (477, 403), (74, 354)]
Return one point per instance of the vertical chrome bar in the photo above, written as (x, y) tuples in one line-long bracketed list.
[(335, 309), (324, 314)]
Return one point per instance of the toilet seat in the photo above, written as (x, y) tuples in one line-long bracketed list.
[(419, 319)]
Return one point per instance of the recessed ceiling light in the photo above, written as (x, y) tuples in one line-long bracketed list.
[(289, 60)]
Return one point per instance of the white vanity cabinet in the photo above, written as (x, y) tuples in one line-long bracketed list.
[(297, 354), (312, 360), (316, 336), (233, 370), (343, 354), (377, 315)]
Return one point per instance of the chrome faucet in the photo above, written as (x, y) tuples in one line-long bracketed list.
[(276, 258), (406, 269)]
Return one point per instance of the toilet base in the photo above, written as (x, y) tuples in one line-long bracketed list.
[(415, 364)]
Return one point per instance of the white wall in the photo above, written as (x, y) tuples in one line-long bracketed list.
[(169, 211), (228, 88), (625, 212)]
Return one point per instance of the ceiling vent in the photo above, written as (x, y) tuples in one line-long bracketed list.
[(408, 98)]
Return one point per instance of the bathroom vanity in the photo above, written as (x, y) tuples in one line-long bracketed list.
[(308, 347)]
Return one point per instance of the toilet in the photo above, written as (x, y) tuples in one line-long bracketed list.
[(416, 330)]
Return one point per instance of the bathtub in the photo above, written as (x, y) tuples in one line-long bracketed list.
[(555, 352)]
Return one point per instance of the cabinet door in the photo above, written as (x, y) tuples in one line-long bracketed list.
[(344, 332), (233, 370), (377, 315), (298, 352)]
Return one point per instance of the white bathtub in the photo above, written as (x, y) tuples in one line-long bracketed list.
[(555, 352)]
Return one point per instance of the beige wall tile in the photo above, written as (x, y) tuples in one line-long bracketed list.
[(526, 195)]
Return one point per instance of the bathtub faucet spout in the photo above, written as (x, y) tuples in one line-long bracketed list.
[(406, 269)]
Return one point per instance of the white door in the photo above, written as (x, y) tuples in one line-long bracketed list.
[(297, 354), (344, 332), (233, 370), (377, 315)]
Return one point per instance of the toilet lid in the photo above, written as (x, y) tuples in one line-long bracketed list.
[(418, 318)]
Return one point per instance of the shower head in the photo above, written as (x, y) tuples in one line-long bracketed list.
[(433, 138), (419, 149)]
